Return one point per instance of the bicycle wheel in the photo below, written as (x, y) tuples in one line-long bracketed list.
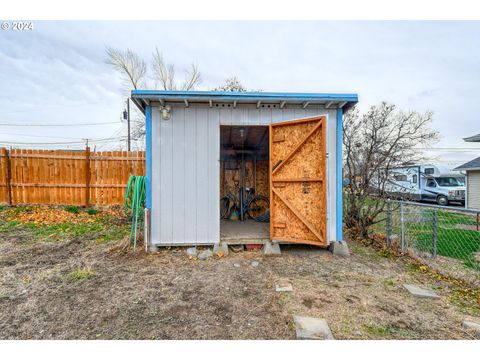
[(258, 208), (224, 207)]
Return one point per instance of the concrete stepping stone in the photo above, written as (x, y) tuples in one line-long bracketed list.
[(471, 326), (283, 286), (421, 292), (309, 328)]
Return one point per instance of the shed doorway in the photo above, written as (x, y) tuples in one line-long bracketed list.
[(244, 184)]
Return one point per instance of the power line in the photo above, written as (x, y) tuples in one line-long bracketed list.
[(85, 124), (448, 149), (456, 151), (115, 134), (41, 136), (63, 142)]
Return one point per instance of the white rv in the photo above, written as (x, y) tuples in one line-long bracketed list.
[(429, 182)]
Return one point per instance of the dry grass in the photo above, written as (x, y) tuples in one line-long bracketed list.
[(78, 288)]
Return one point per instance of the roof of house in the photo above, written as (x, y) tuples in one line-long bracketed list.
[(474, 138), (142, 98), (471, 165)]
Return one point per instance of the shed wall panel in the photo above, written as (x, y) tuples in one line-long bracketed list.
[(213, 175), (473, 189), (202, 163), (190, 180), (178, 183), (253, 117), (166, 180), (186, 173), (155, 183)]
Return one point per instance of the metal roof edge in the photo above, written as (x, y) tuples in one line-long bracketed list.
[(139, 97), (243, 95)]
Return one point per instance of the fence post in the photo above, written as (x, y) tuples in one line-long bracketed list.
[(8, 175), (87, 176), (388, 223), (402, 221), (435, 233)]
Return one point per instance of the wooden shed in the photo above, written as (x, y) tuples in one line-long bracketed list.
[(281, 152)]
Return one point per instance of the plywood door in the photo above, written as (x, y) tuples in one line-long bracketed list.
[(298, 181)]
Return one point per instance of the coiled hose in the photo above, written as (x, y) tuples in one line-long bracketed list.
[(134, 205)]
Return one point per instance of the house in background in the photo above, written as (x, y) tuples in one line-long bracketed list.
[(472, 170)]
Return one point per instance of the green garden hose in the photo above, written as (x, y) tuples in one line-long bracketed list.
[(134, 205)]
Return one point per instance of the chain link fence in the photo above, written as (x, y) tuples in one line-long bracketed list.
[(447, 238)]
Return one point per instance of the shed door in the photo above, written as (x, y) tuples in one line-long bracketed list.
[(298, 181)]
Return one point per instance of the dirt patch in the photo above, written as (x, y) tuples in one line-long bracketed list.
[(162, 296), (80, 289), (361, 297)]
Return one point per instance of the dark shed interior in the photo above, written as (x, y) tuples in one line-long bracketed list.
[(244, 183)]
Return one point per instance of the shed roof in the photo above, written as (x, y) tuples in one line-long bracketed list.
[(143, 97), (474, 138), (471, 165)]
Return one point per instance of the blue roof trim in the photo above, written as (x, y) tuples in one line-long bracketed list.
[(351, 99), (244, 95)]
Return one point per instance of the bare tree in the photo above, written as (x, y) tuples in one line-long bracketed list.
[(232, 85), (165, 74), (133, 71), (130, 66), (376, 142)]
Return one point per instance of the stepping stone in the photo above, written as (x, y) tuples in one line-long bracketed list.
[(309, 328), (283, 286), (471, 325), (421, 292)]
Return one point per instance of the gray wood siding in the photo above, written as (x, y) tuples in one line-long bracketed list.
[(186, 172), (473, 189), (185, 177)]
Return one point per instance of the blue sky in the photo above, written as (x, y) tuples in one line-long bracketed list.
[(57, 72)]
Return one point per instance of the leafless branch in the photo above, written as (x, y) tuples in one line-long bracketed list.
[(130, 66), (165, 74)]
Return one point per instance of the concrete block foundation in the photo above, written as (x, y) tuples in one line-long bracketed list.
[(340, 248), (220, 247), (270, 248)]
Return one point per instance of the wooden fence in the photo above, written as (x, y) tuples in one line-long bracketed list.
[(67, 177)]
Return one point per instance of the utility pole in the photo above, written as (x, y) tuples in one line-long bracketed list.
[(128, 124)]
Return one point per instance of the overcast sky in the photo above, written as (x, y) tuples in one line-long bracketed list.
[(57, 72)]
